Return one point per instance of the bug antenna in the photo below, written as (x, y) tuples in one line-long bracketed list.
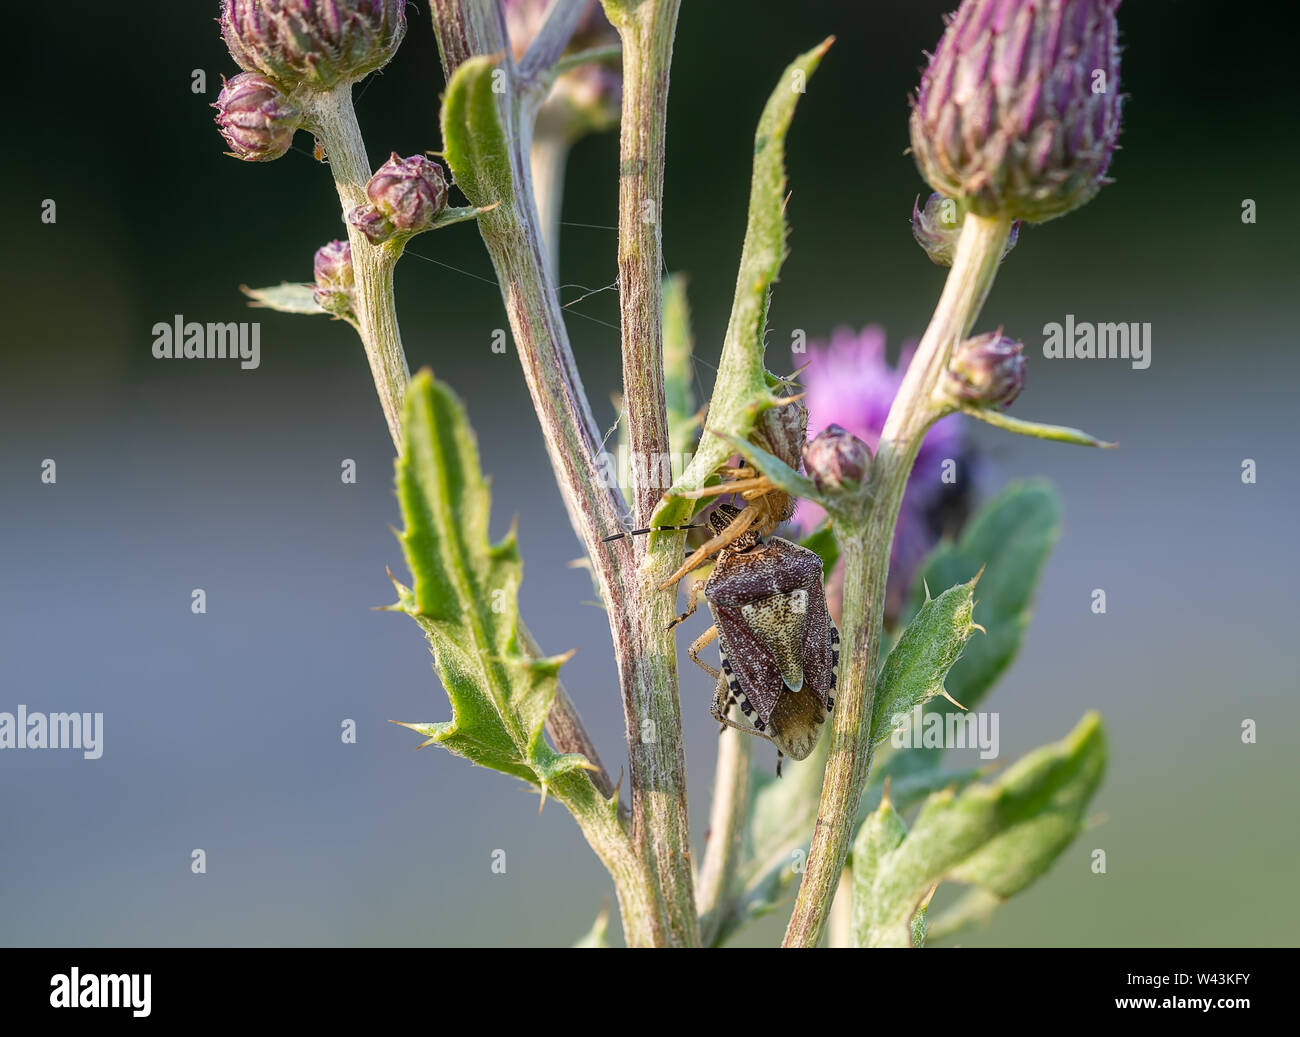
[(649, 529)]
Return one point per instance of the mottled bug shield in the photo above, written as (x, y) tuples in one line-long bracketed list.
[(780, 649)]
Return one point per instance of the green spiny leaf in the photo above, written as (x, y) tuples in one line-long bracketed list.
[(998, 836), (918, 664), (474, 141), (741, 391), (1010, 540), (463, 595), (285, 297)]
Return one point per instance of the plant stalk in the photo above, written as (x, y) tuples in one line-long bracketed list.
[(334, 119), (728, 816), (659, 812), (657, 899), (865, 552)]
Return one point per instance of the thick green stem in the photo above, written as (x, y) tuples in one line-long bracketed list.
[(865, 551)]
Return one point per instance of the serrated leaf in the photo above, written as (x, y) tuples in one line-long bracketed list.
[(474, 141), (464, 596), (1010, 539), (286, 297), (919, 662), (999, 836), (741, 390)]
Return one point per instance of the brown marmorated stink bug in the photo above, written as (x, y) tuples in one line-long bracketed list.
[(780, 648)]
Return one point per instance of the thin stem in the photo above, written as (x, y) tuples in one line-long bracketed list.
[(715, 888), (335, 121), (547, 158), (657, 899), (659, 812), (866, 567)]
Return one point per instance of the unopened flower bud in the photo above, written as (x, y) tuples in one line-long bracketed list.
[(256, 117), (406, 195), (1018, 113), (987, 370), (334, 278), (317, 43), (836, 459), (938, 226)]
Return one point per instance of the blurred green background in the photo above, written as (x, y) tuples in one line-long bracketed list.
[(222, 731)]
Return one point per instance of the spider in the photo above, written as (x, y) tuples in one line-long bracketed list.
[(781, 431)]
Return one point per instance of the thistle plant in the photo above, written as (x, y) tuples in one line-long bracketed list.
[(1014, 122)]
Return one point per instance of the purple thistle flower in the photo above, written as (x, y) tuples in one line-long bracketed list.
[(256, 118), (849, 383), (318, 43), (1018, 112)]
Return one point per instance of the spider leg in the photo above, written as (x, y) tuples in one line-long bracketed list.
[(703, 641), (739, 526), (735, 486)]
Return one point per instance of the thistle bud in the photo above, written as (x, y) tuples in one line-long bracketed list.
[(406, 195), (316, 43), (987, 370), (836, 459), (256, 117), (1018, 112), (334, 280), (938, 226)]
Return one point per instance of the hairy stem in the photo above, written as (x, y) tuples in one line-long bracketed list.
[(659, 810), (334, 119), (865, 551), (660, 893)]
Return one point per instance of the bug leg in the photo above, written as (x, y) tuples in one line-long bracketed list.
[(739, 527), (692, 603), (779, 757), (703, 641)]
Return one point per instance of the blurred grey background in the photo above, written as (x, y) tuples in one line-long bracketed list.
[(222, 731)]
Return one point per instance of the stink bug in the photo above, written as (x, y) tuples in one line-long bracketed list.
[(780, 649)]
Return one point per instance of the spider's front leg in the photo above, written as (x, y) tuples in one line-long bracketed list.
[(738, 528)]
